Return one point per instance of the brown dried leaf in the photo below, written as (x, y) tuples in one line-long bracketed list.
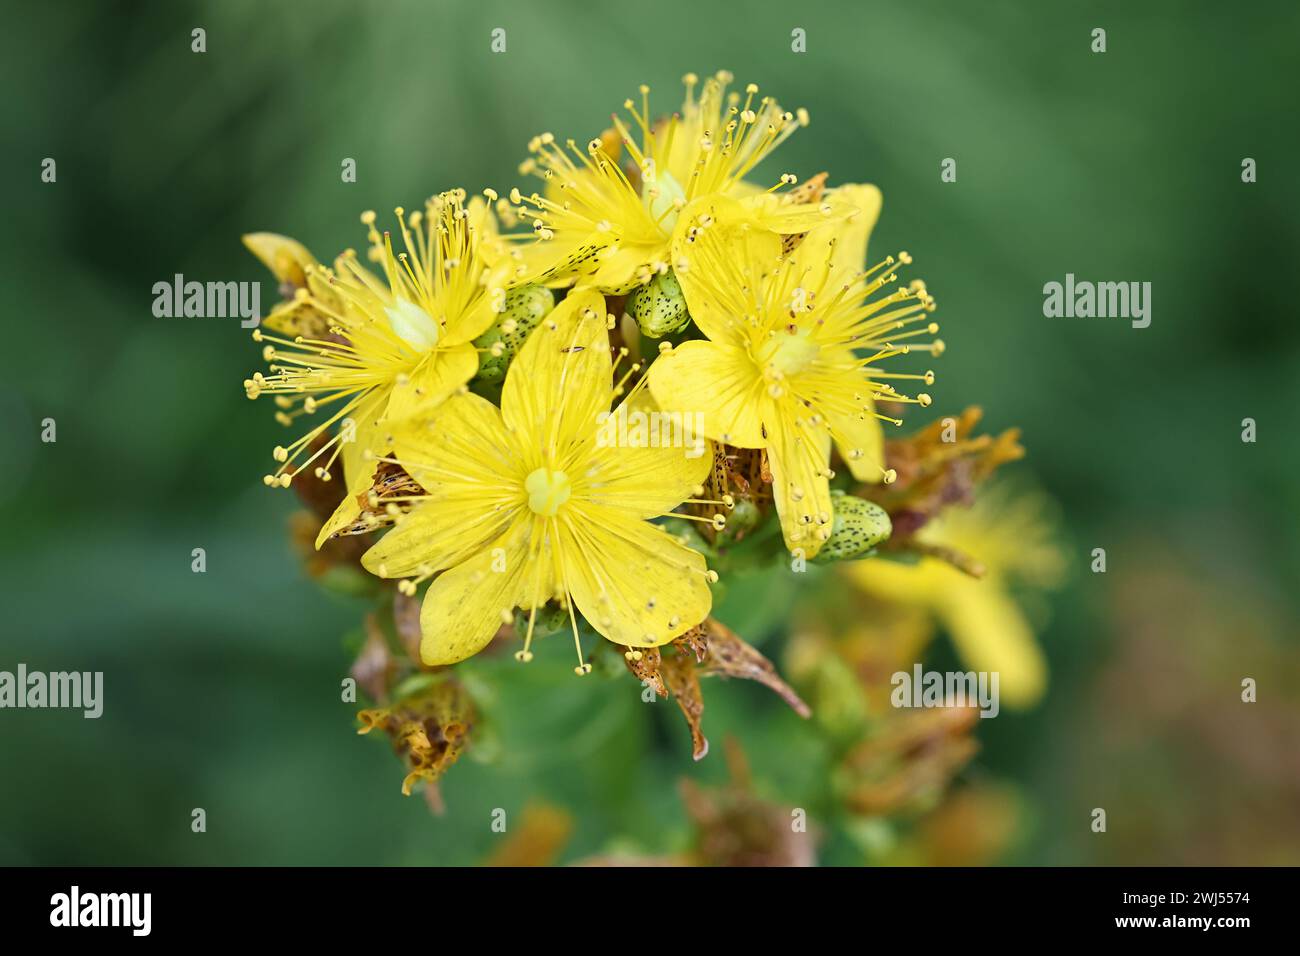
[(728, 655)]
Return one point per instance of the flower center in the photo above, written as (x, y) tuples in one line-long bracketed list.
[(547, 490), (660, 194), (787, 354), (415, 326)]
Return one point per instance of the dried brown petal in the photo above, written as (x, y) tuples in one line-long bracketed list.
[(809, 191), (646, 669), (374, 667), (916, 755), (382, 502), (406, 620), (735, 827), (694, 642), (428, 729), (679, 675), (940, 465)]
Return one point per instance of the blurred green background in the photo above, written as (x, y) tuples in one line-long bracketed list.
[(222, 688)]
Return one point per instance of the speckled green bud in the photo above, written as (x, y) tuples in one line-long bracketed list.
[(857, 527), (741, 520), (659, 307), (524, 308)]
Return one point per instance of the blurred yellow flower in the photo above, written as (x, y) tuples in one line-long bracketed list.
[(524, 505), (615, 229), (782, 367), (370, 352), (1011, 535)]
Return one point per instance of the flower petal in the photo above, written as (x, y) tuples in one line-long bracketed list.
[(860, 433), (799, 456), (848, 255), (466, 606), (439, 374), (628, 472), (633, 582), (992, 634), (359, 433), (719, 381), (561, 379), (462, 456)]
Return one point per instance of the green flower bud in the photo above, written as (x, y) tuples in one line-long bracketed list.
[(858, 526), (524, 308), (684, 531), (551, 619), (741, 520), (659, 307)]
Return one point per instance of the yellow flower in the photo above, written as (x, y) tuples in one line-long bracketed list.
[(1011, 535), (527, 503), (368, 352), (782, 367), (616, 229)]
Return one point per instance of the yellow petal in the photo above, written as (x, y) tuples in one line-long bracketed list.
[(917, 584), (719, 381), (767, 211), (628, 473), (733, 237), (461, 443), (622, 269), (359, 433), (848, 255), (991, 633), (561, 379), (288, 259), (461, 455), (799, 458), (437, 376), (465, 606), (860, 432), (633, 582)]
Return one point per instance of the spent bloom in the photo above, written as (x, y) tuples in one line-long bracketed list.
[(792, 359), (523, 505), (365, 352)]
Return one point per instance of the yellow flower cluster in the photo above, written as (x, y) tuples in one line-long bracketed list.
[(480, 351)]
